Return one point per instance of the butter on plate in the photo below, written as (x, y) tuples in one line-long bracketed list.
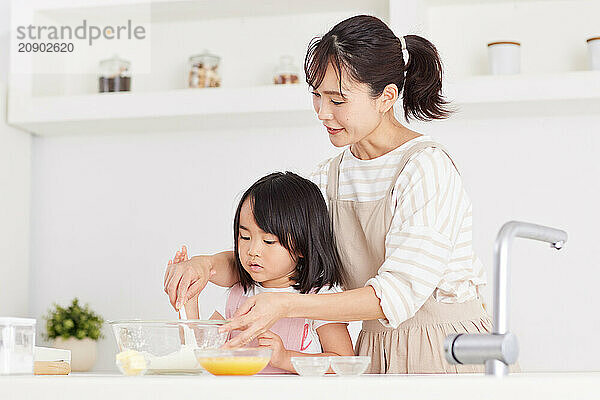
[(132, 363)]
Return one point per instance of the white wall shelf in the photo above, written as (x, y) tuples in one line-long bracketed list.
[(197, 109), (525, 95), (176, 110), (46, 104)]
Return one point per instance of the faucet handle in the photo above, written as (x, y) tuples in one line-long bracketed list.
[(479, 348)]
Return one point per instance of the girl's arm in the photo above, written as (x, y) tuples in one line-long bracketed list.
[(192, 310), (260, 312), (335, 341)]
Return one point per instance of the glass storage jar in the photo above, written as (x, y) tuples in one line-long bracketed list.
[(114, 75), (17, 339), (286, 72), (204, 71)]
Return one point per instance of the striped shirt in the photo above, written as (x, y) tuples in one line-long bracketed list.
[(428, 249)]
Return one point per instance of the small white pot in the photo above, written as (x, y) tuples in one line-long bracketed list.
[(504, 58), (83, 352), (594, 53)]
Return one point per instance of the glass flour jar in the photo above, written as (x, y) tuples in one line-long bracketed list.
[(17, 339)]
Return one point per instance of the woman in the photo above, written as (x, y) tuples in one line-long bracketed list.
[(401, 217)]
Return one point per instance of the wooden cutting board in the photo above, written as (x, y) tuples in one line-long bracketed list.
[(51, 368)]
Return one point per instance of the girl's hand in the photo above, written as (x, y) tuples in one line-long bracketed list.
[(186, 278), (256, 316), (280, 356)]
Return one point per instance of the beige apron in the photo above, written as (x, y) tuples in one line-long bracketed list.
[(416, 346)]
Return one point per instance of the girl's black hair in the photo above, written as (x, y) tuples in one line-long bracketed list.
[(367, 49), (293, 209)]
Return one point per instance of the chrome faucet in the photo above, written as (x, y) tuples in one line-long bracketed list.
[(500, 349)]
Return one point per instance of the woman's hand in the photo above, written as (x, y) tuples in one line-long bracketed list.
[(186, 278), (256, 316), (180, 256), (280, 357)]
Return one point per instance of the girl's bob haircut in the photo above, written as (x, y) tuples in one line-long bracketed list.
[(293, 209)]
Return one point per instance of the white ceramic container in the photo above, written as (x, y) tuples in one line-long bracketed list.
[(594, 53), (504, 58)]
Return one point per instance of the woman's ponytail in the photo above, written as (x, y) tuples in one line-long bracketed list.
[(422, 92)]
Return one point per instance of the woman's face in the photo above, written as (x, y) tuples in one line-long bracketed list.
[(261, 253), (348, 119)]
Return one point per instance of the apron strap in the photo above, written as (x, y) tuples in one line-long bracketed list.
[(333, 177), (409, 153), (334, 167)]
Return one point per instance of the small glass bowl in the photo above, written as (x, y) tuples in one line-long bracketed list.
[(311, 366), (350, 365), (246, 361)]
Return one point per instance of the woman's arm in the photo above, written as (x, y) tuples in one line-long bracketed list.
[(260, 312), (223, 265), (352, 305)]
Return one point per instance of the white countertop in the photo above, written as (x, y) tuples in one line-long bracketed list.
[(528, 386)]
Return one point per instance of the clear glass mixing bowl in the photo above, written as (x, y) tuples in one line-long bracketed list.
[(168, 346)]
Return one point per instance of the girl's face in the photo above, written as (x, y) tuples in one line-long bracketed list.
[(348, 120), (261, 254)]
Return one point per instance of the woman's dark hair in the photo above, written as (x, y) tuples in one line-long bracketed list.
[(293, 209), (367, 49)]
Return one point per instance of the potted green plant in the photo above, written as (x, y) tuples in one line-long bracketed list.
[(75, 328)]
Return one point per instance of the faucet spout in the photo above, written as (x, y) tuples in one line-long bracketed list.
[(500, 349), (507, 233)]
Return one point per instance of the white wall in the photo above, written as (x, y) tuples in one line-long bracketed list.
[(4, 38), (15, 172), (15, 179)]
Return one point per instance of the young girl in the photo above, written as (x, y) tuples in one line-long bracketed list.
[(284, 244)]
